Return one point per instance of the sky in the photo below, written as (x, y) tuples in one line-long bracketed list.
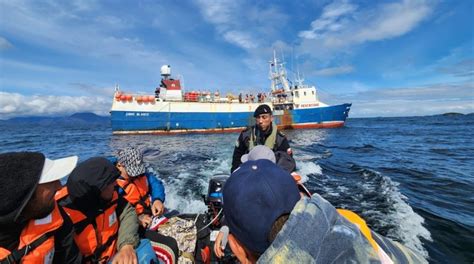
[(387, 58)]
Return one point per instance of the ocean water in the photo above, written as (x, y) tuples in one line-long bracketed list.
[(411, 178)]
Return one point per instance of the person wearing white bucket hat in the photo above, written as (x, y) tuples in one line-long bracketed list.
[(34, 228)]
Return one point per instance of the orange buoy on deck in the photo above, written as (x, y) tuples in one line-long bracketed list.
[(151, 99)]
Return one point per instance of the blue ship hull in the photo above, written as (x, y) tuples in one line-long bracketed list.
[(163, 122)]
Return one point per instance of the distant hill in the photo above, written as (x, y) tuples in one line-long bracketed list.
[(89, 117), (77, 118), (452, 114)]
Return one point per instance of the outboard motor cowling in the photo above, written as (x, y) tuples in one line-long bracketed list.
[(213, 221), (214, 199)]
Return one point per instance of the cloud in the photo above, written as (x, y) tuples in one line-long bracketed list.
[(393, 108), (5, 44), (241, 39), (222, 14), (411, 101), (40, 85), (329, 19), (83, 5), (92, 89), (219, 13), (260, 27), (334, 71), (34, 67), (112, 44), (435, 91), (66, 28), (113, 22), (463, 68), (394, 20), (15, 104), (343, 25)]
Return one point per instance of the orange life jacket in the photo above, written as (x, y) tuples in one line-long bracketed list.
[(136, 192), (36, 241), (95, 238)]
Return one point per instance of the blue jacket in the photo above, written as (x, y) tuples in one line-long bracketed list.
[(156, 187), (316, 233)]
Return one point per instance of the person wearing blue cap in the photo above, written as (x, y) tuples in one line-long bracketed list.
[(270, 222), (264, 132)]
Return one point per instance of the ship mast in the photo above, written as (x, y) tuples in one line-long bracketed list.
[(277, 76), (299, 80)]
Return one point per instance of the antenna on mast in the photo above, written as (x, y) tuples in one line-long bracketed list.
[(277, 75), (292, 59)]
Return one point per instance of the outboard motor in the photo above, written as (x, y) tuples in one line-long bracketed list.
[(212, 223), (214, 197)]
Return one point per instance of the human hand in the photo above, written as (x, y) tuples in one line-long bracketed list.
[(144, 220), (221, 241), (126, 255), (157, 208), (217, 245)]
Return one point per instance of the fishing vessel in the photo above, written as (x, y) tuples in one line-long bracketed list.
[(172, 110)]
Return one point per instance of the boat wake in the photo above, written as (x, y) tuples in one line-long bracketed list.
[(377, 199), (394, 215), (185, 189)]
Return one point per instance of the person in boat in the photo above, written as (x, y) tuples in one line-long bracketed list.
[(270, 222), (264, 132), (105, 224), (33, 228), (258, 153), (140, 188), (144, 191)]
